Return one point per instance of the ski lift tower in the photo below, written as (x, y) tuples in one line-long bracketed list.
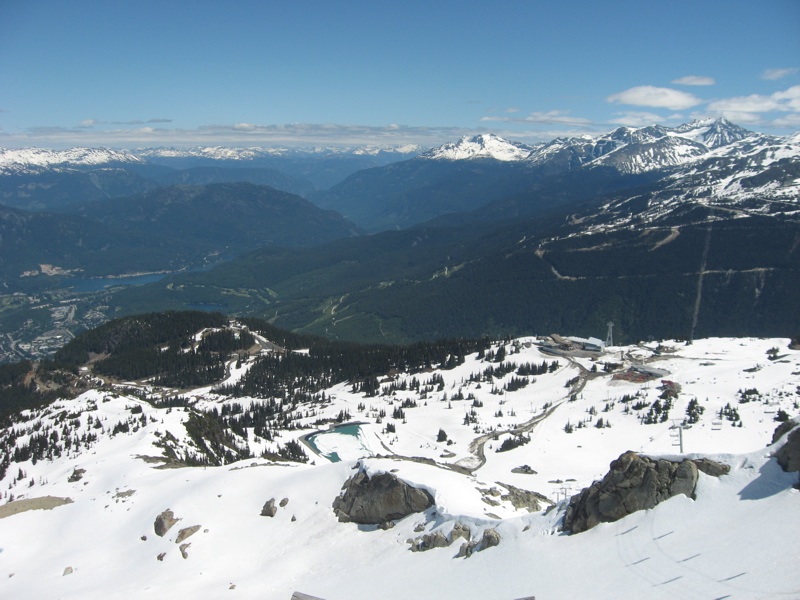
[(610, 335)]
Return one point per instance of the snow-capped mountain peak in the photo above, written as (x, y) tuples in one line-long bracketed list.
[(27, 160), (481, 146), (713, 133)]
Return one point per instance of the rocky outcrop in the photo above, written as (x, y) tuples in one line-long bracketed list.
[(438, 539), (430, 540), (633, 483), (783, 429), (489, 539), (77, 475), (379, 499), (789, 454), (302, 596), (525, 499), (164, 522), (460, 531)]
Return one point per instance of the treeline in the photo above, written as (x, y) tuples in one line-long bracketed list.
[(133, 334), (16, 394), (298, 376), (157, 345)]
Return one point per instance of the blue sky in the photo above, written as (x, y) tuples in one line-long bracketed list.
[(275, 73)]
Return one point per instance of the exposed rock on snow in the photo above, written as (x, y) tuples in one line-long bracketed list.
[(460, 531), (302, 596), (376, 500), (711, 467), (430, 540), (633, 483), (68, 571), (77, 475), (164, 522), (269, 509), (782, 430), (789, 454), (184, 550), (489, 539), (524, 470), (186, 532), (530, 501)]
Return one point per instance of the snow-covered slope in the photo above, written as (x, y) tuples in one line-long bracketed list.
[(736, 539), (36, 160)]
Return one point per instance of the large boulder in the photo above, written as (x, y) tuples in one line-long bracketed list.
[(381, 498), (782, 429), (269, 509), (633, 483), (164, 522)]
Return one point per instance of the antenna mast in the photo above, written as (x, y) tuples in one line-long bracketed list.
[(610, 334)]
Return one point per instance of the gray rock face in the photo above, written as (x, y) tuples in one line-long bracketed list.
[(530, 501), (633, 483), (783, 429), (489, 539), (382, 498), (186, 532), (269, 509), (430, 540), (711, 467), (164, 522), (460, 531), (789, 454)]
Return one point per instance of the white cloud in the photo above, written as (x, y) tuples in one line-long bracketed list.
[(791, 121), (656, 97), (694, 80), (756, 104), (774, 74), (553, 116), (512, 109), (637, 119), (236, 134), (789, 98)]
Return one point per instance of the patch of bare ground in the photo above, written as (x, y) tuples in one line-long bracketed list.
[(42, 503)]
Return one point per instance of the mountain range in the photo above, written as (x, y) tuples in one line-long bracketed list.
[(683, 231), (702, 158)]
